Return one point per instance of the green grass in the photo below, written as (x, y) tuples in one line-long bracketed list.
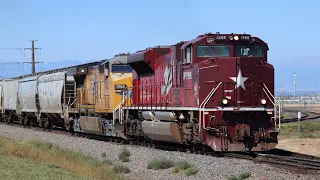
[(34, 160), (308, 129), (240, 176)]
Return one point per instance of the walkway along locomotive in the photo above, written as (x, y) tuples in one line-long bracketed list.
[(216, 90)]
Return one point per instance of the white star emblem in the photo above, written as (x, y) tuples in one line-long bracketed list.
[(239, 80)]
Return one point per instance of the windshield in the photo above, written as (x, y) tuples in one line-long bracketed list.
[(213, 51), (250, 51), (121, 68)]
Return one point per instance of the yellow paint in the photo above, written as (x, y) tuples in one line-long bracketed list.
[(98, 92)]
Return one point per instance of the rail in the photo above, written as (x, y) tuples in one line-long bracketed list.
[(309, 115), (290, 162)]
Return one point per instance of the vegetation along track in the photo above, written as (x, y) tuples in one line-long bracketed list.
[(277, 157), (304, 116)]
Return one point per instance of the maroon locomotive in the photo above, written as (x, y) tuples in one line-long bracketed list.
[(216, 90)]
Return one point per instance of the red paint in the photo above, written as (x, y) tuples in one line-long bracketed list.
[(165, 81)]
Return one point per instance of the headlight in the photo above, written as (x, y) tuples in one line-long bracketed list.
[(236, 38), (263, 101), (224, 101)]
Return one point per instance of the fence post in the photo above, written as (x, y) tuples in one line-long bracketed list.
[(280, 115), (299, 117)]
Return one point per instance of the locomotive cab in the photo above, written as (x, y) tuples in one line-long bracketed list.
[(234, 87)]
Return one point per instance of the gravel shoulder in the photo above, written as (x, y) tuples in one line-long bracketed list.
[(209, 167)]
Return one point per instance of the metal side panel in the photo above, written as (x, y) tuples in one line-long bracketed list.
[(50, 89), (27, 94), (10, 93)]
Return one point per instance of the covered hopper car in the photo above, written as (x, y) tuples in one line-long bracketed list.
[(214, 91)]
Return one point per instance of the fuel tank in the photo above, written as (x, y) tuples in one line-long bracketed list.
[(162, 131), (91, 124), (159, 115)]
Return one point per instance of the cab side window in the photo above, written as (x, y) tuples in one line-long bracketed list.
[(187, 55)]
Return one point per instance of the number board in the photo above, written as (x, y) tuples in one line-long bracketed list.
[(120, 86), (244, 37)]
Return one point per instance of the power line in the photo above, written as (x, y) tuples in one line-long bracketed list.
[(10, 48), (33, 63)]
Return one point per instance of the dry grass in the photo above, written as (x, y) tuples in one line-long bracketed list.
[(19, 168), (77, 163)]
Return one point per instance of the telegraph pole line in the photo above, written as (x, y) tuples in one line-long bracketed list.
[(33, 63)]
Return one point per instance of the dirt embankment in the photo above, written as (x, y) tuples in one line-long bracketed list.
[(300, 145)]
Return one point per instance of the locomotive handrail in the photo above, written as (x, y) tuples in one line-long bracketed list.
[(119, 107), (269, 93), (204, 102)]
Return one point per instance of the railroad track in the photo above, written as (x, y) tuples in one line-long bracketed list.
[(305, 116), (284, 159), (294, 163)]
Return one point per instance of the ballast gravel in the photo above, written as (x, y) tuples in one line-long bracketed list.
[(209, 167)]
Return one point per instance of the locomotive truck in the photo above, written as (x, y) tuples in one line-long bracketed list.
[(216, 91)]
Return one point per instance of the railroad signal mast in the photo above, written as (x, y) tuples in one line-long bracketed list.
[(33, 63)]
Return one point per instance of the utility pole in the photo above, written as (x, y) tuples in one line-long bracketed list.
[(294, 84), (33, 63)]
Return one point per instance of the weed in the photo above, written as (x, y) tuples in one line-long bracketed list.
[(120, 168), (53, 165), (103, 155), (191, 171), (244, 175), (240, 177), (107, 162), (160, 163), (124, 155), (180, 166), (233, 177)]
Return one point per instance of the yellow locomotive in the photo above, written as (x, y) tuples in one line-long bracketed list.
[(99, 93)]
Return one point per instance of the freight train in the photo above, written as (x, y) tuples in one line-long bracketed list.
[(216, 91)]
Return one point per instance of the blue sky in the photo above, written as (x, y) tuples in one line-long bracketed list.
[(97, 29)]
